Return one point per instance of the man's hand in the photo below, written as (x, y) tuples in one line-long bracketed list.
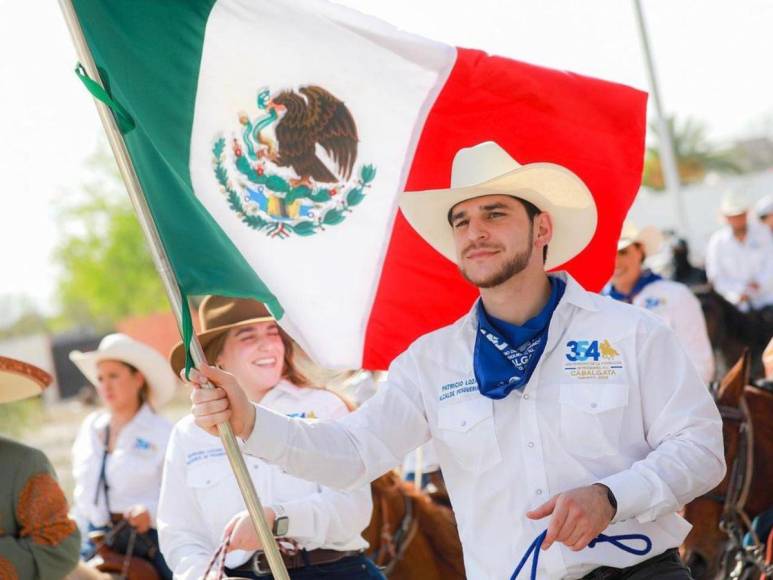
[(579, 515), (243, 533), (138, 517), (226, 402)]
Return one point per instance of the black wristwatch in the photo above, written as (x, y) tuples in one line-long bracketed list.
[(610, 498)]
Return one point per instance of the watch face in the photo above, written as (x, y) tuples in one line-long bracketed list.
[(281, 524)]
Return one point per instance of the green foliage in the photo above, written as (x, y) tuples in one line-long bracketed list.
[(17, 417), (107, 272)]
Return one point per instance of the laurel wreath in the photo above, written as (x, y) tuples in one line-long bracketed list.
[(350, 197)]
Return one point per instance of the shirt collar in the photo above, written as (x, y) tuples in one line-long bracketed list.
[(142, 417), (281, 389), (574, 294)]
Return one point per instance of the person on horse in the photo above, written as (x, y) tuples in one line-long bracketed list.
[(118, 455), (739, 258), (38, 540), (201, 508), (549, 406), (635, 284)]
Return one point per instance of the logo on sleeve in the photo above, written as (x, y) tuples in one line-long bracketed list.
[(592, 359)]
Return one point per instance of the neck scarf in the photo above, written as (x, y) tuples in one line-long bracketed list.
[(499, 367), (647, 277)]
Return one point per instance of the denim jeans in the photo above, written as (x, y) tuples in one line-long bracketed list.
[(353, 568)]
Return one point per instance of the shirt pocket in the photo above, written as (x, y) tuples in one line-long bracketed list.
[(467, 429), (592, 417), (210, 481)]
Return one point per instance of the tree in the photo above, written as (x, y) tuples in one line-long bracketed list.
[(695, 156), (107, 272)]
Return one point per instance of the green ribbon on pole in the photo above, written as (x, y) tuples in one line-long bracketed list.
[(187, 331), (122, 116)]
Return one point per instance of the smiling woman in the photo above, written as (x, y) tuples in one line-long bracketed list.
[(200, 503)]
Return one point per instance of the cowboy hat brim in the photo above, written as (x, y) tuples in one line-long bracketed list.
[(550, 187), (649, 237), (177, 356), (20, 380), (160, 379)]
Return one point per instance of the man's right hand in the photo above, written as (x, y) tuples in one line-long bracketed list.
[(226, 402)]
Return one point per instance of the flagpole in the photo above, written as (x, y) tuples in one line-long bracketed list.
[(668, 164), (163, 266)]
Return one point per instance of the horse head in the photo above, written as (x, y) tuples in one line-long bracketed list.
[(703, 546)]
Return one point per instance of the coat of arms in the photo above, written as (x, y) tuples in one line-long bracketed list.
[(294, 164)]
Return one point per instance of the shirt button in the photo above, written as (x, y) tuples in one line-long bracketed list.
[(463, 423), (526, 396), (593, 405), (531, 443), (539, 492)]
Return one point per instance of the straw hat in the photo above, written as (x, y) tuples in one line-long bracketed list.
[(217, 315), (20, 380), (487, 169), (159, 377), (733, 203), (649, 237)]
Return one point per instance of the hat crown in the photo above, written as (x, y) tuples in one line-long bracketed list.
[(480, 163), (734, 203), (111, 340), (217, 311)]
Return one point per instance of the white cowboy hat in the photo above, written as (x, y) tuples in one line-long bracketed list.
[(20, 380), (764, 206), (487, 169), (649, 237), (733, 203), (158, 375)]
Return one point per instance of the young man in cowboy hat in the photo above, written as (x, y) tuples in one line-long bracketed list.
[(38, 540), (635, 284), (739, 257), (549, 406)]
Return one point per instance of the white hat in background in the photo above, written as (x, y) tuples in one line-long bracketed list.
[(649, 237), (487, 169), (764, 206), (733, 203), (159, 376)]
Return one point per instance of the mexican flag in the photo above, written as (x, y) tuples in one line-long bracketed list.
[(273, 138)]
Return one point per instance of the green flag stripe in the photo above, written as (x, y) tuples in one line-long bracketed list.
[(148, 53)]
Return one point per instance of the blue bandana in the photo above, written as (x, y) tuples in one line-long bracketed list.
[(647, 277), (499, 367)]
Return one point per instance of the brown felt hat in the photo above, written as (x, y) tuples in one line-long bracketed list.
[(217, 315)]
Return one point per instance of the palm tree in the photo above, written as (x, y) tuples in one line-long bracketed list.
[(695, 156)]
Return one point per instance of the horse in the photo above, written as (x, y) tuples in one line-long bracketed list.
[(410, 536), (731, 331), (721, 517)]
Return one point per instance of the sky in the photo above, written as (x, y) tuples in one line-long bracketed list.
[(712, 60)]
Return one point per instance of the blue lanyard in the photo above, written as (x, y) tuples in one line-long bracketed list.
[(617, 541)]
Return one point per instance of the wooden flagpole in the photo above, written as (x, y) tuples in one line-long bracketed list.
[(163, 266)]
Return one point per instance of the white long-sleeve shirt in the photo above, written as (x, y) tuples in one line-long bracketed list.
[(675, 304), (200, 495), (133, 469), (614, 399), (732, 265)]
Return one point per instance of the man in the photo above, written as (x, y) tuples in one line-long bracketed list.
[(671, 301), (595, 421), (739, 257), (38, 540)]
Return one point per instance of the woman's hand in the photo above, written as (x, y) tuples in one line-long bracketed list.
[(138, 517), (226, 402), (243, 533)]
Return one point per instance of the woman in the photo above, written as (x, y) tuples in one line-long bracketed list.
[(200, 501), (38, 541), (118, 455)]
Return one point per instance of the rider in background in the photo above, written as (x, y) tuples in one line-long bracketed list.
[(739, 258), (764, 211), (635, 284)]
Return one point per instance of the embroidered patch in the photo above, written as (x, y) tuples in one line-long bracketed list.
[(141, 443), (303, 415), (42, 511), (458, 388), (652, 302), (592, 359)]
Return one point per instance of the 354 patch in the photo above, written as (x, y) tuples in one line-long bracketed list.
[(592, 359)]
